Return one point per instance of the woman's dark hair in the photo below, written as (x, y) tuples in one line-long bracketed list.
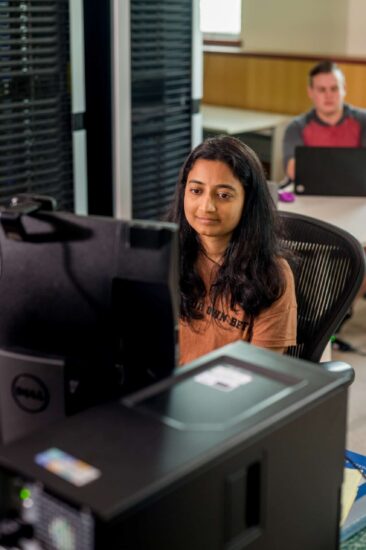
[(250, 274)]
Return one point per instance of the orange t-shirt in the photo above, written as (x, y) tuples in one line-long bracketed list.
[(273, 327)]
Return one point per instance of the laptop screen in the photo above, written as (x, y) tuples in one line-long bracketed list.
[(337, 171)]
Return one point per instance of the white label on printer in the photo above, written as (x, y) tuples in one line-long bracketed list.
[(223, 378)]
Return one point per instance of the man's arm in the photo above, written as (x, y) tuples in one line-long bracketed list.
[(290, 169), (292, 138)]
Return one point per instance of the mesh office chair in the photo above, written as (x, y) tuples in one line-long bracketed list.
[(329, 270)]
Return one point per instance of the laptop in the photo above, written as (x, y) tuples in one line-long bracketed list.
[(337, 171)]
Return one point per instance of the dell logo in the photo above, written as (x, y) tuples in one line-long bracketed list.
[(30, 393)]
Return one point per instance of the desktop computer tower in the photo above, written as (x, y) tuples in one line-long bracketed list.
[(241, 449)]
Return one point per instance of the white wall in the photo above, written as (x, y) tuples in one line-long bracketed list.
[(356, 33), (299, 26)]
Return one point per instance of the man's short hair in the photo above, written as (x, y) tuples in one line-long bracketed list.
[(324, 67)]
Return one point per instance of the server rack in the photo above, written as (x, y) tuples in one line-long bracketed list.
[(149, 58), (99, 101), (35, 100)]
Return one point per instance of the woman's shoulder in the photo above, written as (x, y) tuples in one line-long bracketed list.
[(284, 264), (286, 269)]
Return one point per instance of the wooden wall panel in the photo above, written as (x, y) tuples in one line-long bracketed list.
[(272, 83), (355, 83)]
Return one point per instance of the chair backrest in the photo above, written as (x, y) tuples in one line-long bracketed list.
[(329, 270)]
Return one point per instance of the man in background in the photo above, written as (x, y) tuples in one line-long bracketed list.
[(330, 123)]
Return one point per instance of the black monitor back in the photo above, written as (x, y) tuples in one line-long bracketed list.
[(81, 289)]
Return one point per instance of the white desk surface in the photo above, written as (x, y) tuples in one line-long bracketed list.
[(348, 213), (237, 121)]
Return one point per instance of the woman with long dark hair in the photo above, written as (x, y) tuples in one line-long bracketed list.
[(235, 282)]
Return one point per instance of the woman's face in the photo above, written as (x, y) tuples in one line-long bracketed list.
[(213, 199)]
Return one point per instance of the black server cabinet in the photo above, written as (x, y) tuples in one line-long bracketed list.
[(161, 100), (138, 70), (35, 100), (96, 103)]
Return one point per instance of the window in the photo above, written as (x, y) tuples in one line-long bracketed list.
[(221, 20)]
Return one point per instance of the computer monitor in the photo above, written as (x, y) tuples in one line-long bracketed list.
[(96, 298)]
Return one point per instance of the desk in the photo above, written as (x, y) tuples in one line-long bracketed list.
[(227, 120), (348, 213)]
